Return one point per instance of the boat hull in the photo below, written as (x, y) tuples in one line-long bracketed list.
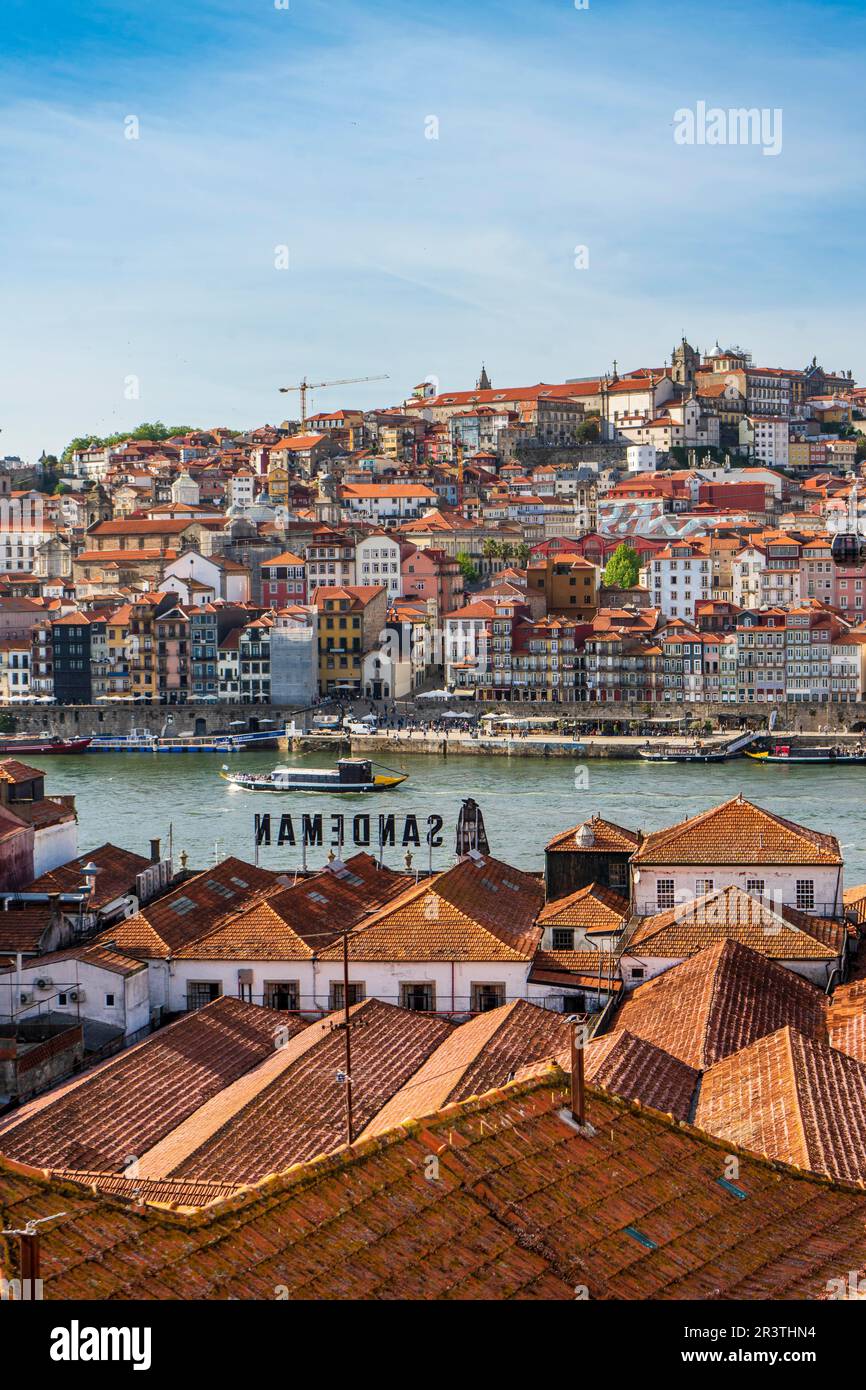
[(822, 760), (41, 747), (663, 757), (252, 784), (203, 743)]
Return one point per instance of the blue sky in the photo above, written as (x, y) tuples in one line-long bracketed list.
[(262, 127)]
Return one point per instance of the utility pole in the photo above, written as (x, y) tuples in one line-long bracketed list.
[(578, 1095), (30, 1255), (347, 1028)]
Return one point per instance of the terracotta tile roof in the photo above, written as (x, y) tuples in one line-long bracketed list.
[(118, 869), (524, 1207), (192, 909), (738, 832), (594, 907), (22, 929), (92, 954), (605, 836), (286, 558), (49, 811), (846, 1019), (855, 900), (179, 1193), (792, 1098), (554, 967), (732, 913), (475, 1057), (123, 1106), (481, 909), (292, 1107), (719, 1001), (298, 922), (638, 1070), (140, 526), (14, 772)]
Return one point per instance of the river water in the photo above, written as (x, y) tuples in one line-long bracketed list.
[(128, 798)]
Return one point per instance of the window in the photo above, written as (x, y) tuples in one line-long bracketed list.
[(702, 886), (805, 894), (573, 1003), (563, 939), (61, 1000), (755, 886), (486, 997), (616, 875), (201, 992), (665, 893), (356, 993), (282, 994), (109, 1001), (637, 972), (420, 997)]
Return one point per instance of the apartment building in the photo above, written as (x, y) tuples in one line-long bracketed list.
[(680, 577)]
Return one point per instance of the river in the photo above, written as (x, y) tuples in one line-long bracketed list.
[(128, 798)]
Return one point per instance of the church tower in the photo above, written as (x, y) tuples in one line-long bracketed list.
[(483, 382), (685, 361)]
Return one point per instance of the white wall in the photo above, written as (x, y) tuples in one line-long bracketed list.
[(129, 1011), (381, 980), (54, 845), (779, 883)]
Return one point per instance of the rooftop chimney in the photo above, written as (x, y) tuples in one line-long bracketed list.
[(154, 851)]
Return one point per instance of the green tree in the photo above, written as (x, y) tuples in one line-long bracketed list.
[(622, 569), (467, 568), (589, 430), (155, 431)]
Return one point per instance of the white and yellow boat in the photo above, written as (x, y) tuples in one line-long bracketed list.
[(350, 775)]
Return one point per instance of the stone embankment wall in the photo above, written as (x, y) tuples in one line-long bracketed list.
[(78, 721), (70, 721)]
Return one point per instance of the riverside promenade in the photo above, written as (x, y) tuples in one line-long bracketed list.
[(456, 743)]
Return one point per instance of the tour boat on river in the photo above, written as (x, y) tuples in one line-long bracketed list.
[(350, 775), (682, 753), (784, 753)]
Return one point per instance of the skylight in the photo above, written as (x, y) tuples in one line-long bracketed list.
[(221, 888)]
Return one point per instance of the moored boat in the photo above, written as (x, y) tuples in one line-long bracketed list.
[(350, 775), (143, 742), (783, 753), (683, 753), (32, 745)]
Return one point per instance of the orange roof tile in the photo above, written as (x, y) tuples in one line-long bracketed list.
[(122, 1107), (792, 1098), (594, 907), (600, 836), (732, 914), (738, 832), (524, 1207), (481, 909), (638, 1070), (293, 1107), (719, 1001)]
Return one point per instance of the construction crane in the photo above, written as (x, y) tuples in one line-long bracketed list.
[(304, 386)]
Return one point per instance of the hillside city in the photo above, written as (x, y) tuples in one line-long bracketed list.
[(690, 533), (632, 1067)]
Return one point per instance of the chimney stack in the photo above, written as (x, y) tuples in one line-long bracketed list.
[(55, 911), (154, 851)]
